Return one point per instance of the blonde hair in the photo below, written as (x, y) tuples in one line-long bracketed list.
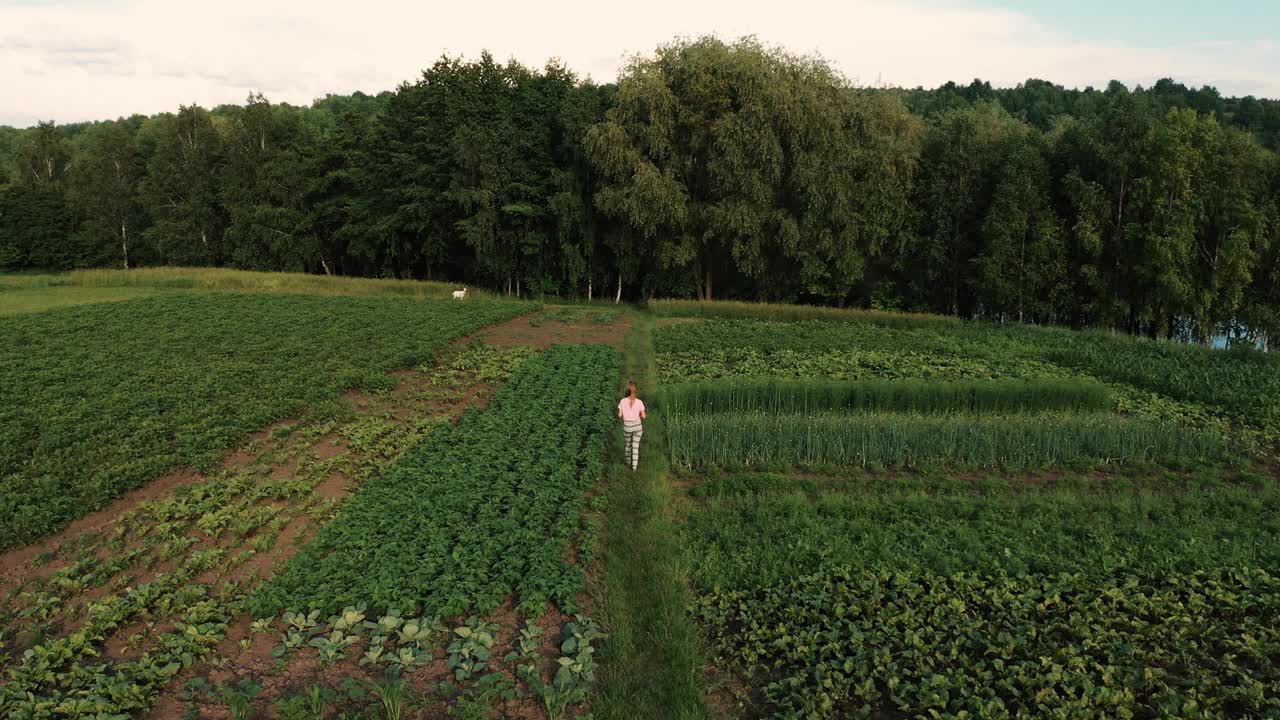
[(631, 391)]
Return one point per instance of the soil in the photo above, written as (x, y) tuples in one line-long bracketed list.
[(15, 565), (522, 331), (250, 656)]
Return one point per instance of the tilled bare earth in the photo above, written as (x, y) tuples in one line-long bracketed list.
[(543, 330), (278, 490)]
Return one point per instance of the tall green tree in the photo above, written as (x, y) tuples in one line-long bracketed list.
[(1238, 218), (180, 190), (741, 159), (1023, 261), (265, 181), (960, 165), (44, 153), (1169, 199), (104, 186), (37, 229)]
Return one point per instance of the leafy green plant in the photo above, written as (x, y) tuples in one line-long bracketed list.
[(469, 652), (507, 487), (575, 669), (1068, 646), (302, 622), (386, 624), (527, 646), (373, 655), (414, 632), (292, 640), (333, 647), (351, 618)]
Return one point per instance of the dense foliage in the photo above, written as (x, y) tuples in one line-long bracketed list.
[(102, 398), (1145, 522), (483, 510), (846, 643), (711, 169)]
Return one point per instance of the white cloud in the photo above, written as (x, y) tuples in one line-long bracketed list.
[(108, 59)]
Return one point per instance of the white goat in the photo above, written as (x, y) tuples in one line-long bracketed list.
[(459, 294)]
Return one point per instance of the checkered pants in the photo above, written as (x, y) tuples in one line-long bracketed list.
[(632, 432)]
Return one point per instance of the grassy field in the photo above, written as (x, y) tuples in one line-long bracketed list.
[(178, 278), (838, 513), (29, 292)]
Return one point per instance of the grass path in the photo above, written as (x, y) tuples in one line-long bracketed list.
[(651, 667)]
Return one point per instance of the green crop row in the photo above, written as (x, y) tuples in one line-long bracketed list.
[(100, 399), (845, 644), (1128, 599), (849, 364), (483, 510), (1026, 440), (885, 527), (1242, 387), (729, 310), (816, 395)]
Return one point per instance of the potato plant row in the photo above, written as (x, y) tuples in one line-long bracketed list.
[(483, 510), (100, 399), (926, 525), (852, 644)]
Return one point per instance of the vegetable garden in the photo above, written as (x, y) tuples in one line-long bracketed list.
[(414, 548), (961, 520), (286, 506), (102, 398)]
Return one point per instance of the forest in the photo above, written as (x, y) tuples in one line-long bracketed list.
[(710, 169)]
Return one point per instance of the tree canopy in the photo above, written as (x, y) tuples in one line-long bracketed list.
[(711, 169)]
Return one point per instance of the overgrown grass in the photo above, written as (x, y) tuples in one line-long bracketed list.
[(817, 395), (1023, 441), (652, 667), (21, 300), (195, 278)]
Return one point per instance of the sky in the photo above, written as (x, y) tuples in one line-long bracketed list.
[(75, 60)]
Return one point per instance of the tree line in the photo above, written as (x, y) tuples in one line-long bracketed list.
[(711, 169)]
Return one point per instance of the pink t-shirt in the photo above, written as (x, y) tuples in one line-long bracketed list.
[(631, 411)]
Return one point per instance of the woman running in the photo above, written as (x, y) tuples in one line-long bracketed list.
[(631, 410)]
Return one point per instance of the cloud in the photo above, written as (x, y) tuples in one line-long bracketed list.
[(97, 60)]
